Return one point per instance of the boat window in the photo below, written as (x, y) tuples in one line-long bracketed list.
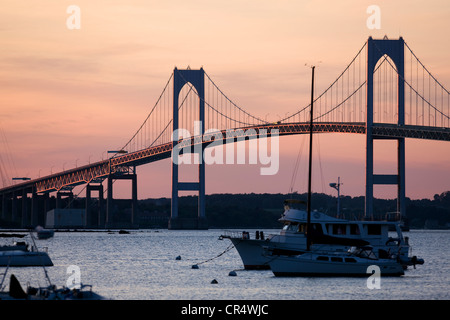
[(302, 228), (322, 258), (373, 229), (336, 259), (350, 260), (354, 229), (291, 227), (316, 229), (339, 228)]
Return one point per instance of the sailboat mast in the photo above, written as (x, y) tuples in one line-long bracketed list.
[(308, 221)]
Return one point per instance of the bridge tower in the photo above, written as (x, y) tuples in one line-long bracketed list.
[(376, 49), (197, 79)]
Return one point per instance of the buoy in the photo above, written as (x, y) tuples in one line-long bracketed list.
[(232, 274), (214, 281), (178, 258), (194, 266)]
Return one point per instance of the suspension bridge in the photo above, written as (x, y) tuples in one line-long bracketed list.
[(385, 93)]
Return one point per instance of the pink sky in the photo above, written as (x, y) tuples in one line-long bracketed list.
[(68, 96)]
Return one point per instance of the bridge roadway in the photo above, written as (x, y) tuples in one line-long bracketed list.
[(99, 171)]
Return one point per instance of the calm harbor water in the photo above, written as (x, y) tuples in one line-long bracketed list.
[(142, 265)]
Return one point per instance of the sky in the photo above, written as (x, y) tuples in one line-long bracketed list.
[(68, 95)]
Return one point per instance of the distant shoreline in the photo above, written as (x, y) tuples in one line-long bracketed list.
[(68, 230)]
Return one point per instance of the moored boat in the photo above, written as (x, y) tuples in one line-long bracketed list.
[(20, 254), (358, 263), (50, 292), (328, 233), (20, 258)]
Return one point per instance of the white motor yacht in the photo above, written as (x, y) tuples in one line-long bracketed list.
[(328, 233)]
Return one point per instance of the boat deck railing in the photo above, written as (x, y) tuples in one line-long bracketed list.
[(245, 235)]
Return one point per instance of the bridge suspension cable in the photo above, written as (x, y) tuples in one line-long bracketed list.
[(344, 90), (343, 101), (427, 101), (145, 132), (434, 100)]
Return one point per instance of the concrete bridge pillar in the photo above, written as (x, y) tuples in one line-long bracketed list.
[(14, 207), (376, 49), (110, 211), (196, 79), (59, 198), (94, 219), (4, 206), (34, 208)]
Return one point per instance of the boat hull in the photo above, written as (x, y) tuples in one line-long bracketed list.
[(42, 235), (252, 253), (24, 259), (284, 266)]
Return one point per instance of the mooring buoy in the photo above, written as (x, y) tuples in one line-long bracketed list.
[(214, 281)]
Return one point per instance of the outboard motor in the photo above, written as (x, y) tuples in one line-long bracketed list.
[(414, 260)]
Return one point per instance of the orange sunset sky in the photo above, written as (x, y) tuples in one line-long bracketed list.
[(67, 96)]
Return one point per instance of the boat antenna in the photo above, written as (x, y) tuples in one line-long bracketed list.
[(337, 186), (308, 221)]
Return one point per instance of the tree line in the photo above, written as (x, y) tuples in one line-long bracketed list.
[(263, 210)]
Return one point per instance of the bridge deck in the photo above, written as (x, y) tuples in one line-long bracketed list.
[(98, 171)]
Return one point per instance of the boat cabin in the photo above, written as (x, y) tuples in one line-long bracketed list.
[(295, 222)]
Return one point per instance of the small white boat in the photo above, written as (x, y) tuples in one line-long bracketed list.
[(21, 258), (20, 254), (358, 263)]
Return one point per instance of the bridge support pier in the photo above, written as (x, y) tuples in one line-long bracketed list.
[(93, 220), (41, 214), (4, 206), (34, 207), (181, 78), (25, 218), (376, 49), (14, 208), (59, 199), (110, 209), (9, 207)]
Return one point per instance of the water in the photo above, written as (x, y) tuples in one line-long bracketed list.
[(142, 265)]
